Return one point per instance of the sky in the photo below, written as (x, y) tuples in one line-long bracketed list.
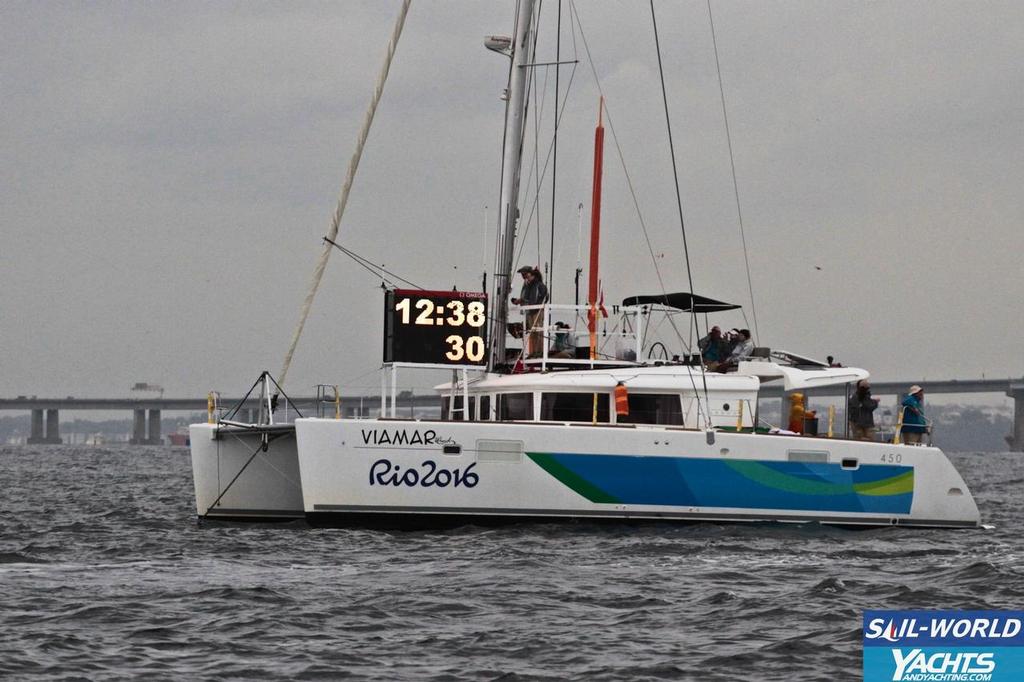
[(167, 172)]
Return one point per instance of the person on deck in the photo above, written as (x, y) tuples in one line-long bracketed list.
[(730, 340), (914, 422), (564, 347), (741, 351), (533, 293), (862, 412), (712, 348)]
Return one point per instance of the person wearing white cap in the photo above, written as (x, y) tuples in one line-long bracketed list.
[(914, 422)]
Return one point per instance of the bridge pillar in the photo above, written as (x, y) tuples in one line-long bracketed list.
[(53, 427), (138, 428), (1016, 439), (153, 430), (36, 435)]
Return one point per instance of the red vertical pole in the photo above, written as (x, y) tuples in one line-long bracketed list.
[(595, 228)]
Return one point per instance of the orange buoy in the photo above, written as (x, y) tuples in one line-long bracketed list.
[(621, 400)]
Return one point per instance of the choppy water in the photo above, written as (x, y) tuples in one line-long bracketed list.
[(104, 573)]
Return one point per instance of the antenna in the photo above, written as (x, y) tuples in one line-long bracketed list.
[(579, 242)]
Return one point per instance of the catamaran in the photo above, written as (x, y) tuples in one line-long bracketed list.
[(600, 434)]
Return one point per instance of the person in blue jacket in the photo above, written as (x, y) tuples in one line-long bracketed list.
[(914, 422)]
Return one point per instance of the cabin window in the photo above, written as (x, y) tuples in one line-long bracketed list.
[(515, 406), (653, 408), (485, 407), (457, 414), (573, 407)]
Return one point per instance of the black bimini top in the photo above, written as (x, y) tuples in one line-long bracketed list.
[(684, 301)]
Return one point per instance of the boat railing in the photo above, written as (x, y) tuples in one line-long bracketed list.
[(898, 435), (328, 400), (564, 335), (458, 391)]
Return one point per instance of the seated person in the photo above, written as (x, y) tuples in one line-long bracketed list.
[(564, 345), (712, 348), (741, 351)]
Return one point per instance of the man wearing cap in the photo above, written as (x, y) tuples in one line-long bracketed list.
[(914, 422), (533, 293)]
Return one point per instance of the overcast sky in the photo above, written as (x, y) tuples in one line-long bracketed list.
[(167, 171)]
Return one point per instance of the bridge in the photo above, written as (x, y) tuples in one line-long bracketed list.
[(147, 411)]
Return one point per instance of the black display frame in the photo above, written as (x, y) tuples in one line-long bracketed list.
[(416, 332)]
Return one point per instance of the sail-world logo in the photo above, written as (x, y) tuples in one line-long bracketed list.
[(890, 631), (956, 628), (943, 646)]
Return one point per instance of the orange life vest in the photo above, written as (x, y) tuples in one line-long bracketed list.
[(621, 401), (796, 412)]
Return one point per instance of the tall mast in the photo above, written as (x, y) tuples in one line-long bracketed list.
[(595, 230), (512, 153)]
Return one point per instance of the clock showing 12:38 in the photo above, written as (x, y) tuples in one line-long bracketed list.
[(435, 327)]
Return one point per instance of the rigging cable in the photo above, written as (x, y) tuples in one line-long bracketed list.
[(732, 163), (371, 266), (618, 148), (265, 439), (535, 194), (538, 112), (353, 164), (679, 200), (517, 220), (554, 157), (543, 171), (629, 182), (625, 170)]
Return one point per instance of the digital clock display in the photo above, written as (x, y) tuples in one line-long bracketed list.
[(435, 327)]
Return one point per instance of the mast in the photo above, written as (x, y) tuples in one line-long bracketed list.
[(595, 229), (508, 211)]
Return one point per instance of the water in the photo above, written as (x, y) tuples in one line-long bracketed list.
[(104, 573)]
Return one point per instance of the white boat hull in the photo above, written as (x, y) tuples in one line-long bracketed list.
[(405, 473), (235, 479)]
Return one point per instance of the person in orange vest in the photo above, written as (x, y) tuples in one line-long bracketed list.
[(621, 400), (796, 412)]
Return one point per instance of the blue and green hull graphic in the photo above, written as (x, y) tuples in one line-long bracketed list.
[(744, 484)]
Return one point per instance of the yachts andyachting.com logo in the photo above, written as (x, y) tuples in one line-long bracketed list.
[(942, 666), (943, 646)]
